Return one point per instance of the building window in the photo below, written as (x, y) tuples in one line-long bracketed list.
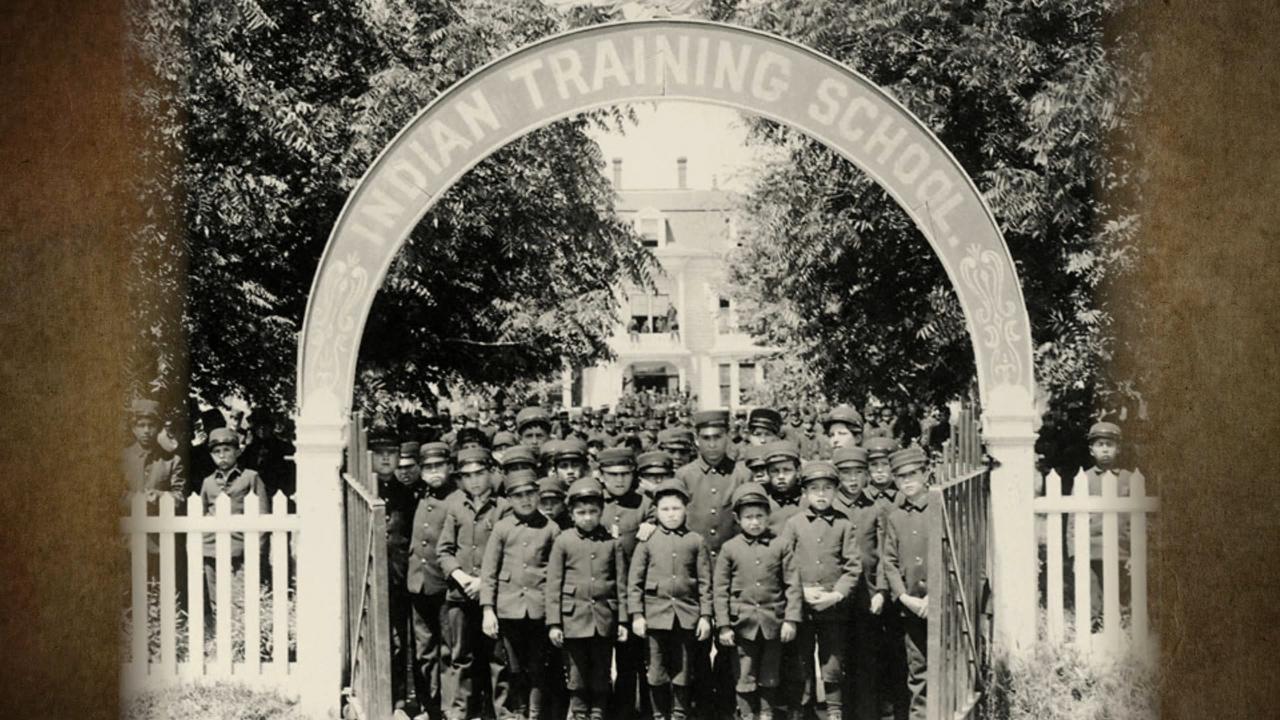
[(726, 387), (651, 227), (746, 383), (726, 321), (648, 312)]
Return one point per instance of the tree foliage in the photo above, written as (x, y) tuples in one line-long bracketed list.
[(1036, 101), (261, 117)]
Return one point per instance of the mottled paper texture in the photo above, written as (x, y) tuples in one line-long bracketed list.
[(69, 154)]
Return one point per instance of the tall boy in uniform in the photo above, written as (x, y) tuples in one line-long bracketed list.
[(586, 600), (757, 601), (624, 510), (426, 582), (513, 599), (670, 601), (231, 480), (471, 516), (870, 595), (906, 567), (401, 499), (824, 547), (551, 503), (786, 498), (895, 697)]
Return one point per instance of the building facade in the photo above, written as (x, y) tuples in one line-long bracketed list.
[(684, 333)]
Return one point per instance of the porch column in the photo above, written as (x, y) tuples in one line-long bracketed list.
[(1009, 423), (682, 371), (735, 380), (566, 387), (321, 570)]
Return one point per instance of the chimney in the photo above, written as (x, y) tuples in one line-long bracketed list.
[(682, 172), (617, 173)]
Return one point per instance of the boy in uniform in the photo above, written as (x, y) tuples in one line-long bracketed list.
[(513, 599), (824, 548), (533, 427), (652, 468), (842, 427), (1104, 448), (753, 457), (906, 567), (865, 661), (624, 510), (551, 503), (586, 600), (570, 458), (401, 498), (757, 600), (469, 520), (231, 480), (763, 425), (670, 601), (426, 583), (782, 463), (678, 442)]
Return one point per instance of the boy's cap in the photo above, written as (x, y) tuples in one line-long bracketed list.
[(709, 418), (908, 459), (878, 447), (619, 457), (585, 489), (383, 438), (472, 459), (223, 436), (1104, 431), (753, 456), (750, 494), (517, 480), (518, 454), (598, 439), (879, 432), (472, 434), (532, 416), (654, 459), (140, 408), (766, 418), (779, 450), (550, 485), (571, 449), (676, 437), (410, 449), (818, 470), (855, 456), (671, 486), (434, 451), (846, 414), (504, 439)]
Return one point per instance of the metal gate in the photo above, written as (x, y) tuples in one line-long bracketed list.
[(368, 643), (959, 575)]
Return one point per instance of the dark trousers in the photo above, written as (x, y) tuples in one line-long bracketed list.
[(473, 662), (630, 688), (211, 588), (524, 654), (588, 660), (755, 673), (713, 694), (791, 674), (401, 618), (916, 643), (556, 680), (829, 637), (428, 651), (863, 661)]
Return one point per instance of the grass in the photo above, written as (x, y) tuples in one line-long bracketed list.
[(1055, 682), (223, 701)]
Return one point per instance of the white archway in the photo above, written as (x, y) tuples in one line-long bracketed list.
[(639, 61)]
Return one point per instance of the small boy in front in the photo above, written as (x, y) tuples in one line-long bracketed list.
[(823, 545), (758, 603), (228, 478), (906, 566), (670, 601), (513, 596), (1104, 448), (586, 600)]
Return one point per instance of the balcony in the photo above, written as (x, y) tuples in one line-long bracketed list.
[(650, 343)]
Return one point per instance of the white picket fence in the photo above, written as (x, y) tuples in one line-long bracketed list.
[(1119, 636), (172, 645)]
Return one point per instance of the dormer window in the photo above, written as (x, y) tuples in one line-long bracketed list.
[(652, 228)]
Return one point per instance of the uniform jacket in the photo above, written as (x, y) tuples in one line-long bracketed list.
[(425, 575), (868, 518), (781, 508), (1095, 519), (401, 504), (514, 571), (157, 470), (670, 579), (464, 535), (586, 583), (710, 511), (622, 517), (906, 548), (237, 483), (756, 587), (824, 548)]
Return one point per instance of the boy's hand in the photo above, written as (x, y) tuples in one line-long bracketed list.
[(472, 588), (788, 632), (924, 607), (828, 600), (877, 603), (812, 594), (704, 629), (638, 626), (556, 635), (726, 637), (916, 605), (622, 633), (490, 623), (645, 530)]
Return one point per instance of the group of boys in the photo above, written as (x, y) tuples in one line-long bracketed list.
[(681, 579)]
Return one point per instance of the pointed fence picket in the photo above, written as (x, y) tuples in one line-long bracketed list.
[(168, 639), (1072, 521)]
